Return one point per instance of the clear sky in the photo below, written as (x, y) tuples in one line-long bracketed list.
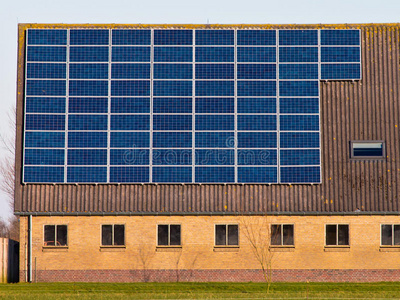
[(169, 12)]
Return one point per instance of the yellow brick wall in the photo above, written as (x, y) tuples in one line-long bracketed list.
[(197, 252)]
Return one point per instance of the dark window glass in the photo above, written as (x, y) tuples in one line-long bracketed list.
[(226, 235), (396, 229), (282, 235), (343, 234), (49, 235), (288, 235), (276, 236), (367, 149), (119, 235), (330, 234), (175, 235), (220, 235), (233, 235), (337, 235), (106, 235), (386, 235), (62, 236), (169, 235), (55, 235), (162, 235)]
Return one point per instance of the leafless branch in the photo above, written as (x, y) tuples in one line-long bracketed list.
[(257, 230)]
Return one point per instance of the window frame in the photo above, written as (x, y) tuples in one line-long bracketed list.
[(393, 245), (226, 236), (169, 235), (112, 236), (353, 157), (55, 236), (281, 225), (337, 235)]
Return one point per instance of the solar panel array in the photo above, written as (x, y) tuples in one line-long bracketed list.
[(179, 105)]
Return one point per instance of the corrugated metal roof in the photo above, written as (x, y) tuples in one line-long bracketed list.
[(362, 110)]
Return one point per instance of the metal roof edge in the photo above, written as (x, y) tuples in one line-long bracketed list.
[(78, 214), (202, 26)]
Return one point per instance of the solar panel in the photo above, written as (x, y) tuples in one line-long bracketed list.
[(179, 105)]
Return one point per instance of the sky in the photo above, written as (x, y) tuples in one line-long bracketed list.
[(168, 12)]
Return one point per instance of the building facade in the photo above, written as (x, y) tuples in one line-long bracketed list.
[(158, 152)]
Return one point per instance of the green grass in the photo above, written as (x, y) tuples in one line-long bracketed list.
[(383, 290)]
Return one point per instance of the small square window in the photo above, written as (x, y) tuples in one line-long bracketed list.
[(390, 235), (112, 235), (169, 235), (282, 235), (227, 235), (337, 235), (55, 235), (367, 149)]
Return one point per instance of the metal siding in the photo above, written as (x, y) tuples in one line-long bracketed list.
[(367, 109)]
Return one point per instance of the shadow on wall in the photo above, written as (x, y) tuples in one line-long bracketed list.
[(9, 260)]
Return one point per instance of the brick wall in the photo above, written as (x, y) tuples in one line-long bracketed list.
[(311, 275), (198, 260)]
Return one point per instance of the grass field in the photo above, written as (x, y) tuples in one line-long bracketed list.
[(384, 290)]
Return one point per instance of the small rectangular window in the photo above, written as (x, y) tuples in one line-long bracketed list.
[(227, 235), (112, 235), (55, 235), (390, 235), (169, 235), (367, 149), (337, 235), (282, 235)]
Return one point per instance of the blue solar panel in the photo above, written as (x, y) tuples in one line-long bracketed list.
[(88, 54), (89, 36), (129, 174), (131, 37), (130, 54), (172, 174), (257, 174), (179, 105), (298, 37), (340, 37), (40, 139), (129, 157), (130, 105), (88, 71), (173, 37), (259, 54), (256, 37), (46, 70), (88, 88), (45, 105), (47, 37), (44, 54)]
